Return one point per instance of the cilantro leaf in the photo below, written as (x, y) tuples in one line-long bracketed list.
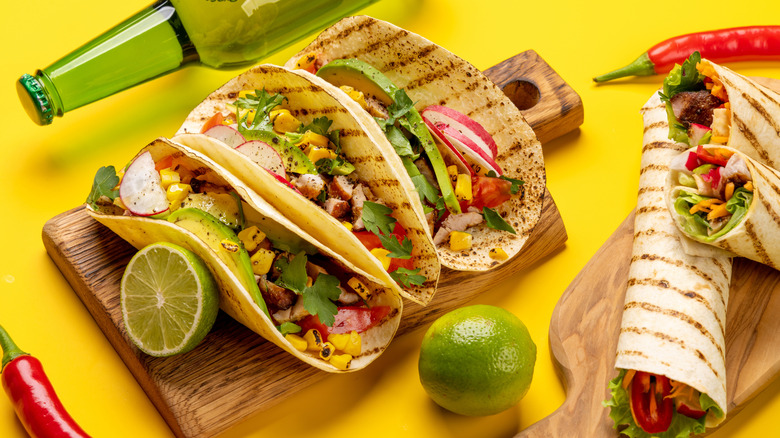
[(398, 250), (377, 219), (495, 221), (320, 126), (399, 141), (401, 105), (103, 185), (261, 103), (408, 277), (318, 299), (517, 184), (288, 327), (293, 271)]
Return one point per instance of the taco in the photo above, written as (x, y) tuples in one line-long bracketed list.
[(671, 350), (294, 143), (273, 277), (474, 162), (724, 198)]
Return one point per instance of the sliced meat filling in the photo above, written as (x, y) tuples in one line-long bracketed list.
[(309, 185), (456, 222), (695, 107)]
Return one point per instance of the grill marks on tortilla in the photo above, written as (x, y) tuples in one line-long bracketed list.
[(679, 147)]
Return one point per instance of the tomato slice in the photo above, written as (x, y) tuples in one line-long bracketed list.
[(215, 120), (488, 192), (348, 318), (690, 411), (650, 407), (371, 241)]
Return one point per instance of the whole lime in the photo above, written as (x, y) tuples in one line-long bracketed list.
[(477, 360)]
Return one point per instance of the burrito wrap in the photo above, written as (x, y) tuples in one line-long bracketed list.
[(674, 316), (431, 75), (235, 300)]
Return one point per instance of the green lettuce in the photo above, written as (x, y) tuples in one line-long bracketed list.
[(683, 77), (696, 224), (681, 427)]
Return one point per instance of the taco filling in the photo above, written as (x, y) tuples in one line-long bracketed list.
[(697, 104), (450, 158), (307, 158), (319, 306), (715, 193)]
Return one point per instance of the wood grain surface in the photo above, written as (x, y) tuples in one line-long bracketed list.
[(200, 393), (585, 325)]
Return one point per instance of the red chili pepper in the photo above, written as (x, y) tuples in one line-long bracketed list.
[(37, 405), (751, 43)]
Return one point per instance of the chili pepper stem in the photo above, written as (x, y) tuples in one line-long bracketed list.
[(642, 66), (10, 350)]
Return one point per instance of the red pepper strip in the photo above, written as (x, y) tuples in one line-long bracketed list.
[(751, 43), (707, 157), (37, 405)]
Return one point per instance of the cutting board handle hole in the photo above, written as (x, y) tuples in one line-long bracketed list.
[(524, 94)]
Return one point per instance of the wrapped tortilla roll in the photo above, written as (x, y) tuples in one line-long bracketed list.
[(674, 317), (722, 197)]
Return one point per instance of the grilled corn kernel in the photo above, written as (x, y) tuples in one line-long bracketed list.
[(296, 341), (498, 254), (262, 261), (229, 245), (354, 344), (463, 187), (347, 225), (306, 62), (169, 176), (452, 171), (176, 192), (316, 153), (313, 139), (359, 288), (313, 340), (284, 121), (356, 95), (251, 237), (341, 361), (339, 340), (326, 350), (381, 255), (460, 241)]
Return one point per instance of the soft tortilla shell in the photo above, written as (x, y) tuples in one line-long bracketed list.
[(234, 298), (309, 97), (757, 237), (432, 75), (674, 316)]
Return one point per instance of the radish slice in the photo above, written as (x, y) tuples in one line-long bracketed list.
[(479, 161), (264, 155), (141, 190), (697, 132), (226, 134), (463, 124), (285, 182), (448, 152)]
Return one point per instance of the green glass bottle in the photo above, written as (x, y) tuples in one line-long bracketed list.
[(168, 35)]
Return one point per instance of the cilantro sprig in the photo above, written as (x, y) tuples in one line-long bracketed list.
[(317, 298), (495, 221), (408, 277), (376, 218), (104, 184), (261, 103)]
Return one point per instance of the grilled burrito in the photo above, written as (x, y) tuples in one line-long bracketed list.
[(724, 198), (671, 349), (293, 143), (273, 277), (475, 164)]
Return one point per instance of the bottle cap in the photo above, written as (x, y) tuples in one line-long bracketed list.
[(34, 100)]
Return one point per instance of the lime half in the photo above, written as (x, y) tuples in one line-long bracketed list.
[(169, 299)]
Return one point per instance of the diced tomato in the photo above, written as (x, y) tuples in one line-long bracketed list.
[(164, 163), (347, 319), (215, 120), (651, 408), (488, 192), (371, 241)]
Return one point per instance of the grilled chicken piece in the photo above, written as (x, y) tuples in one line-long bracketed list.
[(376, 108), (358, 198), (341, 187), (456, 222), (427, 171), (695, 107), (276, 296), (309, 185), (337, 208)]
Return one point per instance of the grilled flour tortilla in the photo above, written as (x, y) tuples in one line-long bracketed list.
[(723, 198), (432, 76), (674, 316), (360, 175), (269, 273)]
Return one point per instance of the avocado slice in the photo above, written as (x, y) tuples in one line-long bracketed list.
[(295, 160), (213, 232), (372, 82), (222, 206)]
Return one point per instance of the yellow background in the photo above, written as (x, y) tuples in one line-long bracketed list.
[(592, 174)]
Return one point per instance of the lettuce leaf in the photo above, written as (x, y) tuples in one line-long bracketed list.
[(683, 77), (696, 225), (620, 412)]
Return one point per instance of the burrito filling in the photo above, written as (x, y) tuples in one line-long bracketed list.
[(697, 104), (716, 194), (315, 302), (647, 405), (308, 159), (459, 183)]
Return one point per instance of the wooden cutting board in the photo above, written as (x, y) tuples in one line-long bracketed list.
[(234, 373), (585, 325)]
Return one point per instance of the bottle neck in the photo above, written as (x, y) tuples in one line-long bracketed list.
[(149, 44)]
